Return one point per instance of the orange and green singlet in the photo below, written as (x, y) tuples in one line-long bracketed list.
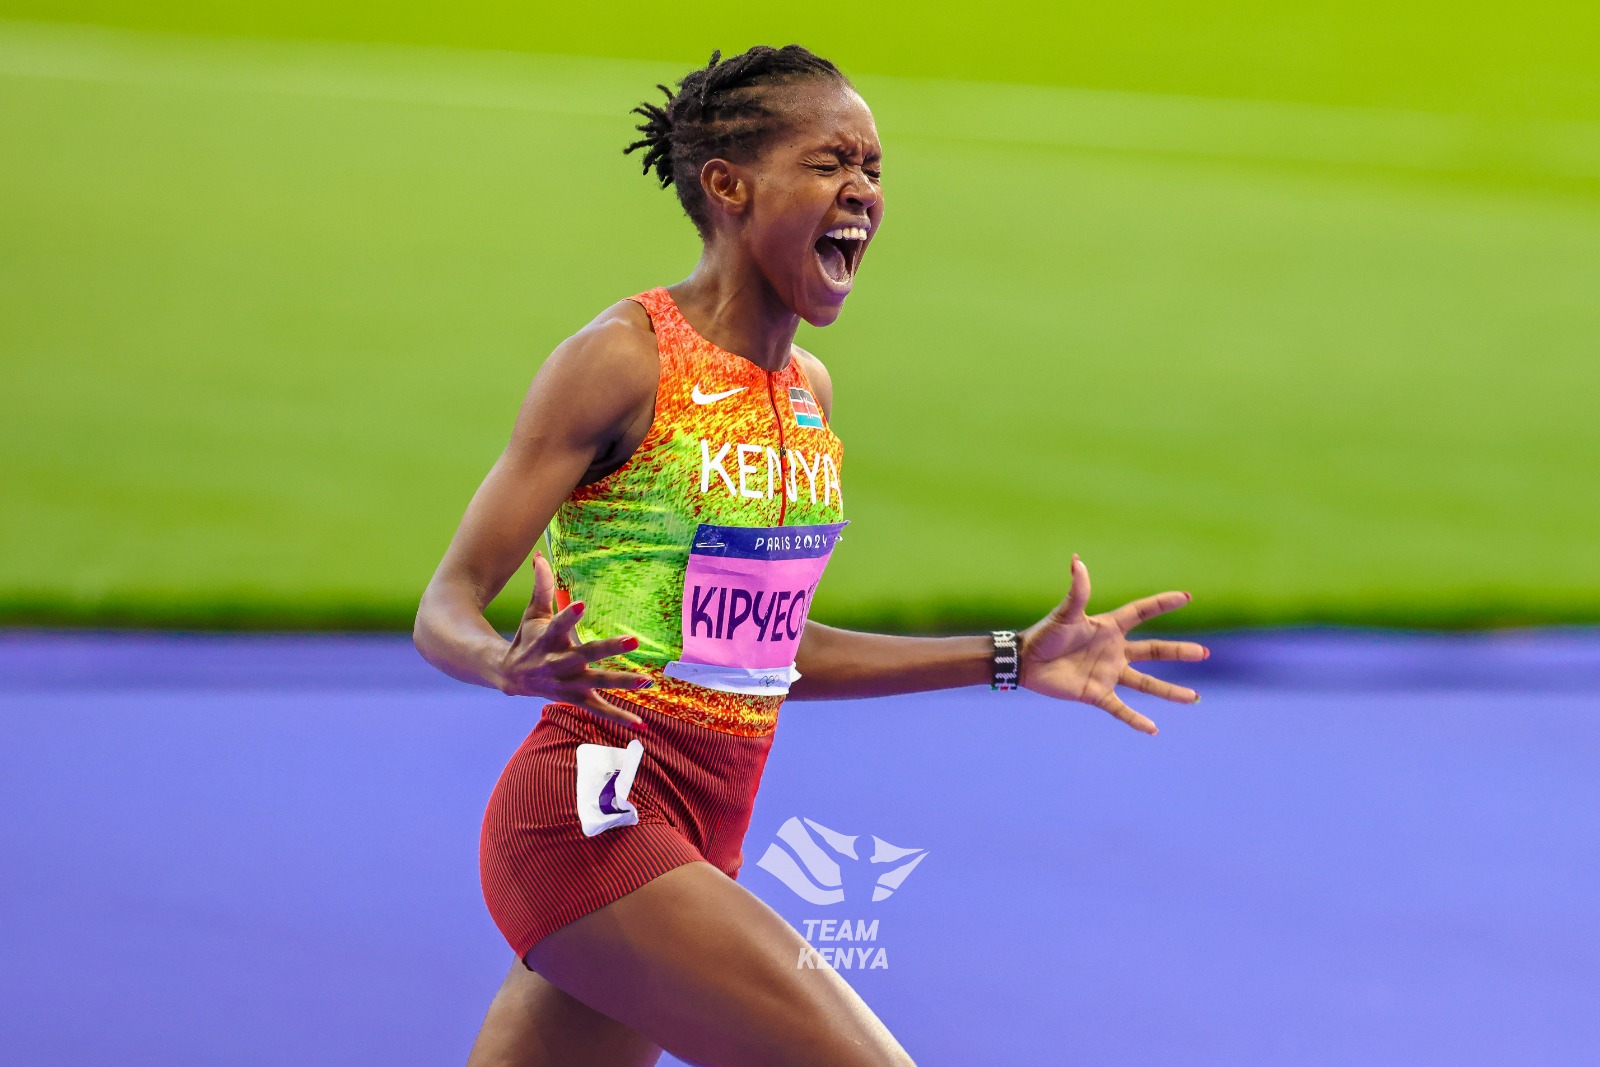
[(707, 544)]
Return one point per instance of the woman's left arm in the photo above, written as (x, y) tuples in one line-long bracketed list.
[(838, 664), (1068, 654)]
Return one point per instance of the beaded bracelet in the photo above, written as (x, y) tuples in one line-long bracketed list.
[(1006, 662)]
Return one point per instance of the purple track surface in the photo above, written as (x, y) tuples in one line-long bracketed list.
[(1361, 848)]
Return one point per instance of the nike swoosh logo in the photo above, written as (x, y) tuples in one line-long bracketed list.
[(711, 398)]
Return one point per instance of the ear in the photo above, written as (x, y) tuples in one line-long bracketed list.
[(727, 186)]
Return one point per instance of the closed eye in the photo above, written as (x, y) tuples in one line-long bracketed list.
[(832, 168)]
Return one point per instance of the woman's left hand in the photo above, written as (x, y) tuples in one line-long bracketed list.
[(1074, 656)]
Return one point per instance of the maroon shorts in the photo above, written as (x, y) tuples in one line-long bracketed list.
[(694, 791)]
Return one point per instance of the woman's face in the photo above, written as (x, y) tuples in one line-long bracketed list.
[(816, 199)]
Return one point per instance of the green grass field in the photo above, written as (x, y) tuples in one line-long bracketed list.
[(267, 311)]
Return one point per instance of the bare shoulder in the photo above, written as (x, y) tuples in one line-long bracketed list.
[(597, 382), (820, 380), (617, 347)]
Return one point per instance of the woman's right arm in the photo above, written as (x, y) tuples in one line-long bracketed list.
[(587, 398)]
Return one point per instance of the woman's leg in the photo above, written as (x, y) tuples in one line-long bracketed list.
[(698, 965), (531, 1023)]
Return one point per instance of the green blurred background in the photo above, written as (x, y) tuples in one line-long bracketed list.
[(1297, 309)]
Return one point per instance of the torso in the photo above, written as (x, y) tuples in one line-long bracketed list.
[(730, 445)]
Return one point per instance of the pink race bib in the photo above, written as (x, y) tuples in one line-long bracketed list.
[(746, 595)]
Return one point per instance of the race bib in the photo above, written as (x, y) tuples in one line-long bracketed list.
[(746, 595)]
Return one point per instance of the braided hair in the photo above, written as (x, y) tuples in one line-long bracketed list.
[(722, 109)]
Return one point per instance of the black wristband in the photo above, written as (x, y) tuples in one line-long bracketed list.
[(1006, 664)]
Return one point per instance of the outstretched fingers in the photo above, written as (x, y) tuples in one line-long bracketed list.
[(605, 648), (1144, 683), (596, 702), (1143, 610), (544, 590), (1072, 608), (593, 679), (1173, 651), (1110, 703), (558, 633)]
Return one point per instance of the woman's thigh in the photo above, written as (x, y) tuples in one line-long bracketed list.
[(698, 965), (531, 1023)]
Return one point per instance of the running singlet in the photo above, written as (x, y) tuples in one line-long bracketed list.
[(708, 543)]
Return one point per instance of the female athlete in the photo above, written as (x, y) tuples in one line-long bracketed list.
[(678, 449)]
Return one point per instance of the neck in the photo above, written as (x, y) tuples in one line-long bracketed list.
[(730, 304)]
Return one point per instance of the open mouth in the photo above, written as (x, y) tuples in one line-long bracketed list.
[(839, 253)]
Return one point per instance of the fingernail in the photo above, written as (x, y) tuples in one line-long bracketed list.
[(641, 726), (646, 684), (631, 643), (577, 609), (1197, 698)]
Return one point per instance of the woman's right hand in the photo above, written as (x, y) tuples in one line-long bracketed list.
[(545, 659)]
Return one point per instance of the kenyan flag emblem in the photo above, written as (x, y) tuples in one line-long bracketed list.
[(806, 412)]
